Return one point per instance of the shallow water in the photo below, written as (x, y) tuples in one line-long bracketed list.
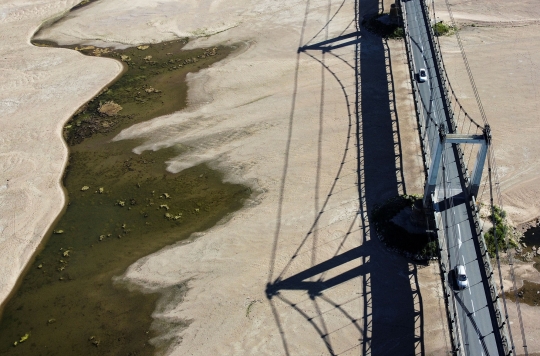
[(532, 237), (121, 207)]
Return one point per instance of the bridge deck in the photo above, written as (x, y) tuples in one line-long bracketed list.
[(476, 330)]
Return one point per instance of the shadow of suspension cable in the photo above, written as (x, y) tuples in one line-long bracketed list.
[(356, 297)]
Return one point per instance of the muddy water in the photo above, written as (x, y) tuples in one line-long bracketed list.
[(532, 237), (122, 206), (532, 240)]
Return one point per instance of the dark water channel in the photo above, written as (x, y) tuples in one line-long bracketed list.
[(529, 293), (532, 237), (532, 240), (122, 206)]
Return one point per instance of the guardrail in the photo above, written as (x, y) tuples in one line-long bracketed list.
[(502, 321)]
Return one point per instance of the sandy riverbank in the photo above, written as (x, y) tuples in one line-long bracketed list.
[(40, 90)]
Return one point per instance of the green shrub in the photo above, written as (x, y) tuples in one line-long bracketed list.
[(499, 230), (397, 34), (441, 29)]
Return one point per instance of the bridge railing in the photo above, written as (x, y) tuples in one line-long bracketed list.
[(502, 320)]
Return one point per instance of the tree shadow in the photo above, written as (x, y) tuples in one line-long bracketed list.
[(355, 295)]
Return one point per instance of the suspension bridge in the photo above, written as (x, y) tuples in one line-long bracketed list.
[(336, 283), (477, 316)]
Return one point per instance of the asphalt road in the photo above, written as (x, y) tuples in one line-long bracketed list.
[(475, 323)]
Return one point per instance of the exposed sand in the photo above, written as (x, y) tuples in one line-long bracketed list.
[(39, 91), (281, 123)]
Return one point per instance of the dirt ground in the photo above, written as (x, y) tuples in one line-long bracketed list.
[(298, 271)]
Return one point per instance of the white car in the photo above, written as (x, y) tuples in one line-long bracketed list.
[(461, 277), (422, 75)]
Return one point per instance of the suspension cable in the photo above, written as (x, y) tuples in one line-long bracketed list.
[(469, 72), (448, 78)]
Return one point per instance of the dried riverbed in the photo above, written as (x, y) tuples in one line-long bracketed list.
[(121, 207)]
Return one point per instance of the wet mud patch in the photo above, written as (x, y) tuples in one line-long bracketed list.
[(121, 207), (528, 294)]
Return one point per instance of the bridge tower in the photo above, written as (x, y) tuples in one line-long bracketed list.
[(484, 140)]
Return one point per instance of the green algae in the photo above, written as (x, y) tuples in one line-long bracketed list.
[(121, 207)]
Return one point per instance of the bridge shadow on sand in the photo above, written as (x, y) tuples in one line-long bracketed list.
[(359, 298)]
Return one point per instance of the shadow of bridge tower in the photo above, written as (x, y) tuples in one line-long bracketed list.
[(358, 298)]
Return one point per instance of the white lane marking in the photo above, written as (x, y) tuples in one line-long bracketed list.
[(473, 311), (454, 211), (465, 267), (459, 237)]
